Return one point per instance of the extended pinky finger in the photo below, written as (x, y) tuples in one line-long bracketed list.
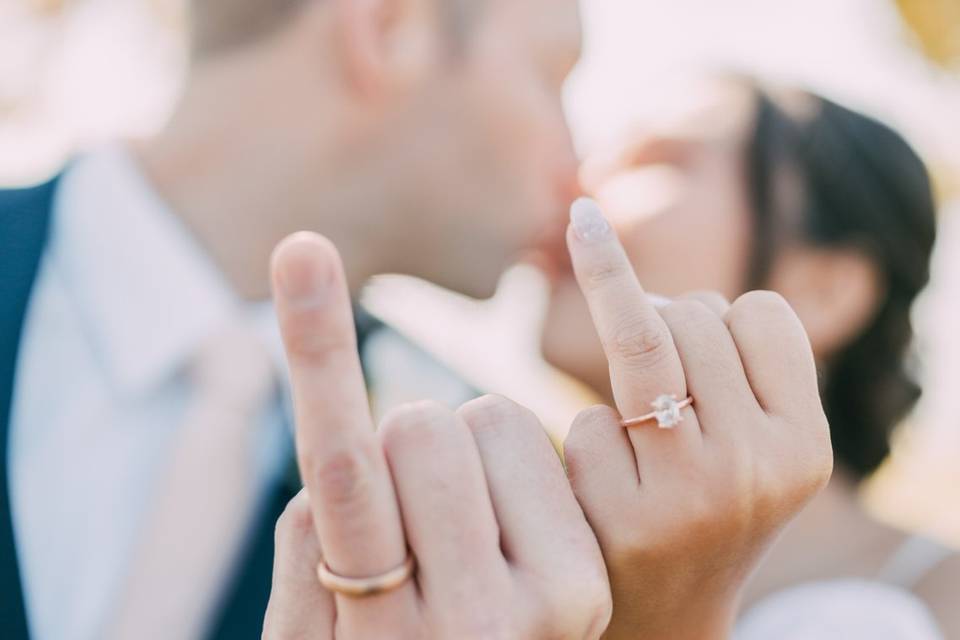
[(299, 607)]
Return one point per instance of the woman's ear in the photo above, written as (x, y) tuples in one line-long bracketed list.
[(385, 45), (836, 292)]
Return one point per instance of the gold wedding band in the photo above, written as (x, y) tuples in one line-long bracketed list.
[(366, 587), (666, 411)]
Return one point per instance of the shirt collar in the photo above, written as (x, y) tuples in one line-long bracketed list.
[(146, 291)]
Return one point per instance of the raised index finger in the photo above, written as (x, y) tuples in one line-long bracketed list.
[(639, 348), (343, 466)]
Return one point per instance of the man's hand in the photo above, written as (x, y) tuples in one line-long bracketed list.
[(478, 497), (684, 514)]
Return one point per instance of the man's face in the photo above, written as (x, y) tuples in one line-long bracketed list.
[(491, 163)]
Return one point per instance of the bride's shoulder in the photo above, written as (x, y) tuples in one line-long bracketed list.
[(840, 609), (939, 588)]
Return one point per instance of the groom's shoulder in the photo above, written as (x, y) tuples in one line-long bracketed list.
[(20, 200), (24, 222), (25, 211)]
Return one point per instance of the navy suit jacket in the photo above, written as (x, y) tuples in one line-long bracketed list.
[(24, 222)]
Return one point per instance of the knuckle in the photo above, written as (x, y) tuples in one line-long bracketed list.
[(580, 453), (413, 424), (818, 468), (343, 477), (639, 342), (576, 460), (602, 273), (295, 522), (824, 467), (765, 304), (686, 308), (600, 415), (804, 468), (583, 604), (597, 608), (494, 412), (305, 342), (689, 312), (710, 298)]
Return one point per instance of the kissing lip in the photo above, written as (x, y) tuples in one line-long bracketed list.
[(551, 256), (549, 252)]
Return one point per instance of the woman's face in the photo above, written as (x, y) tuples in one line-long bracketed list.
[(678, 199)]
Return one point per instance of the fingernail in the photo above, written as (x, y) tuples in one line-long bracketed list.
[(588, 221), (301, 277)]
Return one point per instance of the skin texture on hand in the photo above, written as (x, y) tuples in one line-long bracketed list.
[(477, 496), (683, 515)]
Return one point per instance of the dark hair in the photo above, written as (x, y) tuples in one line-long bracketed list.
[(842, 179)]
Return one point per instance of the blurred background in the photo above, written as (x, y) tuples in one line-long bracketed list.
[(77, 72)]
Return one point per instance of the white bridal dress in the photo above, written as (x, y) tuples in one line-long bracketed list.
[(881, 609)]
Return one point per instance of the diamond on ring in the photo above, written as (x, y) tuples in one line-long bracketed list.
[(666, 410)]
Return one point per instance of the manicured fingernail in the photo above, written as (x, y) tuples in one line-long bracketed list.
[(302, 278), (588, 221)]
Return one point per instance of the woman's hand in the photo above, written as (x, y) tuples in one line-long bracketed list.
[(477, 497), (684, 514)]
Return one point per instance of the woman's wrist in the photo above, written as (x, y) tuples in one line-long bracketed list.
[(697, 621)]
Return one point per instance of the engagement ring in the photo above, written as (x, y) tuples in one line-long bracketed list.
[(666, 411)]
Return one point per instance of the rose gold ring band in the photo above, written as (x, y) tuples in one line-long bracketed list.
[(366, 587), (666, 412)]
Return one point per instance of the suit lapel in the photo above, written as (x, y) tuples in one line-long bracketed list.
[(24, 221), (24, 224)]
